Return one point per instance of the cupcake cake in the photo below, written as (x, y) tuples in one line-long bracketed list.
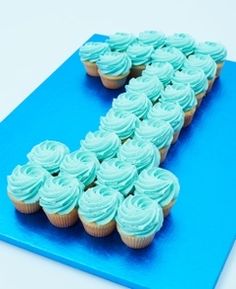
[(97, 210), (120, 41), (157, 131), (152, 37), (160, 185), (171, 112), (104, 144), (23, 187), (89, 54), (183, 41), (138, 219), (113, 68), (48, 154)]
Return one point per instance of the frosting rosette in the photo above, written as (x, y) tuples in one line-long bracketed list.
[(91, 51)]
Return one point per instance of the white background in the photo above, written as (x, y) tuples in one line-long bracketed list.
[(37, 36)]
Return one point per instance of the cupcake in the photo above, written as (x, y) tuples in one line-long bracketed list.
[(140, 153), (151, 86), (117, 174), (184, 96), (138, 219), (120, 41), (97, 210), (197, 80), (120, 122), (169, 54), (82, 165), (216, 50), (104, 144), (163, 70), (23, 187), (160, 185), (59, 198), (48, 154), (113, 68), (157, 131), (204, 62), (171, 112), (140, 56), (133, 102), (152, 37), (183, 41), (89, 55)]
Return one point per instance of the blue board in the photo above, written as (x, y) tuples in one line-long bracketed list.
[(192, 247)]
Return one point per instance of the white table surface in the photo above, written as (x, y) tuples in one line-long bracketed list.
[(37, 36)]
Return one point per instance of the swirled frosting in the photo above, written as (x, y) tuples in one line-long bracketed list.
[(91, 51), (114, 63), (59, 195), (120, 41), (169, 54), (194, 76), (140, 153), (157, 131), (181, 93), (151, 37), (122, 123), (140, 53), (25, 181), (202, 61), (99, 204), (163, 70), (151, 86), (48, 154), (103, 143), (182, 41), (216, 50), (139, 216), (82, 165), (158, 184), (170, 112), (134, 102), (117, 174)]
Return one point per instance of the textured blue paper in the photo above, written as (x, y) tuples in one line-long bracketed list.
[(192, 247)]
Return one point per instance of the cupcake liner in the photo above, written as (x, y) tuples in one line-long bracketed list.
[(188, 116), (210, 84), (137, 70), (23, 207), (91, 68), (166, 209), (63, 221), (175, 136), (113, 82), (219, 68), (199, 97), (163, 153)]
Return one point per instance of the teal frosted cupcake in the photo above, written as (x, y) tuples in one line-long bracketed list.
[(140, 55), (169, 54), (171, 112), (23, 187), (160, 185), (120, 41), (204, 62), (157, 131), (82, 165), (48, 154), (133, 102), (59, 198), (216, 50), (138, 219), (89, 54), (97, 210), (151, 86), (120, 122), (117, 174), (163, 70), (196, 78), (140, 153), (152, 37), (183, 41), (184, 95), (113, 68), (103, 143)]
